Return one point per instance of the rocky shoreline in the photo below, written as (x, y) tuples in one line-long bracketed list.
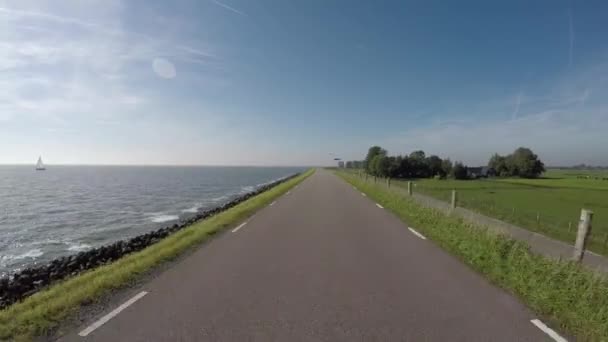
[(31, 280)]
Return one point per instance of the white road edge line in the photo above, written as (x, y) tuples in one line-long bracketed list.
[(111, 315), (540, 325), (416, 233), (364, 195), (379, 206), (271, 204), (239, 227)]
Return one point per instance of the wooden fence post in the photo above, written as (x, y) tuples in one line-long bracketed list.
[(409, 188), (454, 199), (584, 229)]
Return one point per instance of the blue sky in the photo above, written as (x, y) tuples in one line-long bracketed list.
[(237, 82)]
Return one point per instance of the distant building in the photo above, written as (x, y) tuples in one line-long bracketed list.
[(480, 172), (341, 164)]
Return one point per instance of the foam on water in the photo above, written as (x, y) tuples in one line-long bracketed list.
[(193, 209), (164, 218), (247, 189), (79, 247), (32, 254), (219, 199)]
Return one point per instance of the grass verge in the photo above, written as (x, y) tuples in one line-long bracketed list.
[(551, 207), (45, 310), (570, 297)]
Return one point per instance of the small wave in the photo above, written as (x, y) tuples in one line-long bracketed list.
[(79, 247), (47, 242), (269, 182), (219, 199), (164, 218), (194, 209), (247, 189), (32, 254)]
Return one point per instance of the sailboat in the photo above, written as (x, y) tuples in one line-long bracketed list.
[(40, 165)]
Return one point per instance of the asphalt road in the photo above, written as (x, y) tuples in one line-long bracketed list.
[(323, 263)]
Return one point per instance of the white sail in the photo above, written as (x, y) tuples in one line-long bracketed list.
[(39, 164)]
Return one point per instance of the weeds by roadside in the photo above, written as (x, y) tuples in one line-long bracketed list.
[(573, 298)]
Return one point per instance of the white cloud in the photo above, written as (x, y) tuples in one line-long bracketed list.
[(62, 60), (558, 123)]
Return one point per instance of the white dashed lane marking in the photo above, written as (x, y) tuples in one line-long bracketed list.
[(540, 325), (239, 227), (111, 315), (416, 233)]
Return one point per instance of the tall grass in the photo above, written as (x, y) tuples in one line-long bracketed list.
[(563, 293), (43, 311)]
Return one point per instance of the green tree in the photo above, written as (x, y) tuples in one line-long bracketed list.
[(434, 165), (371, 154), (527, 164), (405, 169), (372, 166), (446, 167), (460, 171), (383, 166), (379, 165), (418, 164), (499, 164), (521, 163), (394, 169)]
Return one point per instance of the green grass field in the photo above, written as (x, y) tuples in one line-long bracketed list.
[(569, 297), (550, 205), (45, 310)]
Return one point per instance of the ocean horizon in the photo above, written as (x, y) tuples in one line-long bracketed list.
[(67, 209)]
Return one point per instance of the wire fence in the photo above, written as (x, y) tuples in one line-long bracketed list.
[(557, 225)]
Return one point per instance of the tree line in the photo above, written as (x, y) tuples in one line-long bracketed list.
[(521, 163)]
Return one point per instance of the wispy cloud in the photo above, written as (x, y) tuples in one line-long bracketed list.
[(232, 9), (585, 96), (58, 69), (517, 104), (571, 37), (198, 52), (560, 123), (17, 13)]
